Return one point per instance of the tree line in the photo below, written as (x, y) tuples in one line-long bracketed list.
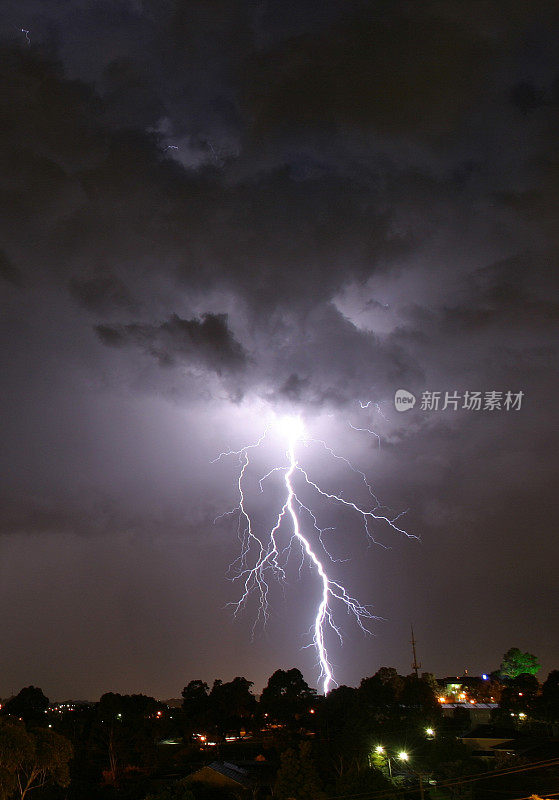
[(307, 745)]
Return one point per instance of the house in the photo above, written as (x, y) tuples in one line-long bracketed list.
[(223, 775), (478, 712), (490, 740)]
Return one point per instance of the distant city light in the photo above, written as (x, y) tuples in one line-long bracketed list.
[(485, 677)]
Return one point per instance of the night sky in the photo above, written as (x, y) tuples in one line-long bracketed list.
[(217, 213)]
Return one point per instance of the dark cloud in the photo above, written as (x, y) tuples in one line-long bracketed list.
[(207, 342), (294, 387), (412, 71), (8, 271), (101, 294), (216, 212)]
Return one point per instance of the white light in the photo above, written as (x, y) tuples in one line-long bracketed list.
[(291, 427), (403, 756)]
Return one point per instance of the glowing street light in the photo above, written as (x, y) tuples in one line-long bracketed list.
[(402, 755)]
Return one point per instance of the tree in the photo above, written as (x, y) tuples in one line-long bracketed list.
[(15, 750), (519, 696), (286, 696), (486, 691), (195, 704), (549, 700), (29, 760), (297, 776), (125, 731), (175, 791), (337, 709), (30, 704), (363, 781), (378, 694), (232, 705), (390, 677), (515, 663), (419, 695)]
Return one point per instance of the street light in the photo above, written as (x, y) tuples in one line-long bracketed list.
[(430, 732), (401, 755), (404, 756)]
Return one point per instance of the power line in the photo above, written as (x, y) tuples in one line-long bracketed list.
[(450, 783)]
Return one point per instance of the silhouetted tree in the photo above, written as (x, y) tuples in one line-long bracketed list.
[(548, 704), (419, 695), (196, 706), (231, 704), (30, 704), (287, 696), (176, 791), (336, 709), (360, 781), (297, 776), (125, 730), (519, 695), (378, 695)]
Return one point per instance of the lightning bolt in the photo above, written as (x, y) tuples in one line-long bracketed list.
[(264, 558), (26, 32)]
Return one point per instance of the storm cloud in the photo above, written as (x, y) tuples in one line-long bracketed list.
[(211, 209)]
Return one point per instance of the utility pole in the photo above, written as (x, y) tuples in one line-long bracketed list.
[(415, 666), (421, 789)]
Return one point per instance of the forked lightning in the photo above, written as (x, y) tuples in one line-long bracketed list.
[(263, 558)]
